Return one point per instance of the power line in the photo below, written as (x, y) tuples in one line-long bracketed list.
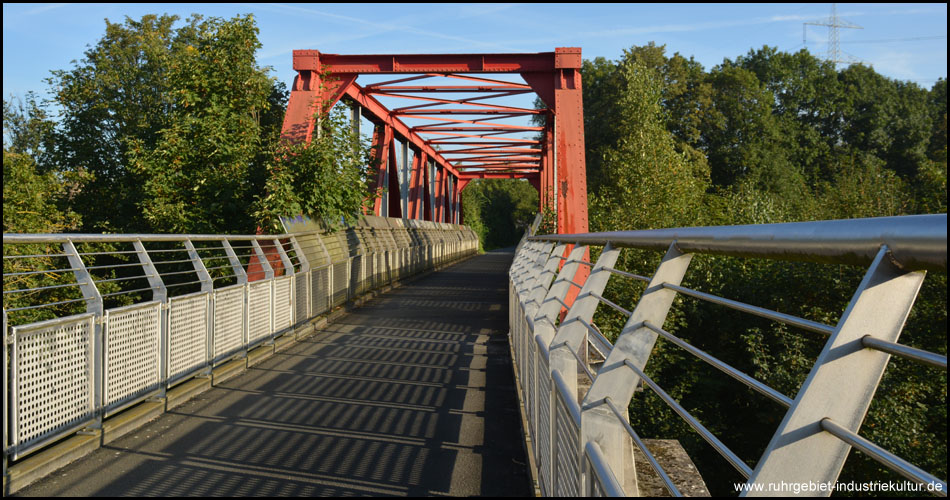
[(938, 37)]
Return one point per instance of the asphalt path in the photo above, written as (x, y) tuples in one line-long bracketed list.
[(410, 395)]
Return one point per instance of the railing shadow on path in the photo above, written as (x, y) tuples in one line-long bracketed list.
[(411, 394)]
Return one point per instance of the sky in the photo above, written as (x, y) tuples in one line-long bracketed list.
[(901, 41)]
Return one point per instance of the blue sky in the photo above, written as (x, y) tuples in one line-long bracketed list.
[(902, 41)]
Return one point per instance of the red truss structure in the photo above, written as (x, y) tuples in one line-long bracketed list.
[(456, 132)]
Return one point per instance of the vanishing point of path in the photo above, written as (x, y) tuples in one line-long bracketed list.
[(411, 394)]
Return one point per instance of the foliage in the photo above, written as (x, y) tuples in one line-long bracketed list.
[(646, 182), (33, 202), (326, 178), (197, 177), (499, 210), (180, 118), (768, 137)]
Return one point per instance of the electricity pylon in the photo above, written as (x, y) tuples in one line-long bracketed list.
[(833, 23)]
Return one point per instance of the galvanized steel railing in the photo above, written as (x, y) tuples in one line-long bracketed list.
[(96, 323), (582, 439)]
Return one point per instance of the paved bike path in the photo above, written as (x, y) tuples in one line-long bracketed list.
[(411, 394)]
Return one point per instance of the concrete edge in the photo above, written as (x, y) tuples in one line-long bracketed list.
[(259, 353), (131, 419), (228, 370), (30, 469), (49, 460), (183, 392)]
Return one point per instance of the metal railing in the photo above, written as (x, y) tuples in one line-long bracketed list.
[(94, 323), (582, 438)]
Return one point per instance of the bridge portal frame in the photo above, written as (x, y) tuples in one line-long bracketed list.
[(554, 165)]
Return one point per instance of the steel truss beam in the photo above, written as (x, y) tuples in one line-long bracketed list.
[(430, 186)]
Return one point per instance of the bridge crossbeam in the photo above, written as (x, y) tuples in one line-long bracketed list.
[(441, 129)]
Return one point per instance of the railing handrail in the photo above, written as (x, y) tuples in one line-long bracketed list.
[(23, 238), (916, 242), (896, 252), (124, 237), (188, 331)]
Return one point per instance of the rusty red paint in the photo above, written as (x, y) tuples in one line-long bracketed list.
[(462, 148)]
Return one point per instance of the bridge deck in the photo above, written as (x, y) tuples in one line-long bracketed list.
[(411, 394)]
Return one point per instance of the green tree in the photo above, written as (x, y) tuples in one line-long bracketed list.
[(885, 118), (34, 201), (806, 91), (685, 94), (741, 135), (937, 103), (27, 129), (170, 123), (499, 210), (198, 173), (326, 179), (652, 185)]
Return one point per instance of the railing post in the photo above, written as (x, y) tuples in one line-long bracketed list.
[(800, 451), (571, 335), (305, 270), (159, 294), (617, 382), (206, 283), (268, 270), (239, 274), (207, 286), (269, 276), (94, 305), (284, 259)]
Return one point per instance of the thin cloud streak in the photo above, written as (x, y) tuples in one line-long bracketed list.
[(44, 8), (388, 28)]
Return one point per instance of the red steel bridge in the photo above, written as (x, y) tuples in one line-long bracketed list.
[(377, 359), (454, 112)]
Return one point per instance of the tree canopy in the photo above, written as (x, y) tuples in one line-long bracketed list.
[(766, 137)]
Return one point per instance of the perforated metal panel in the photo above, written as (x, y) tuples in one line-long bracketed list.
[(188, 318), (320, 290), (566, 450), (302, 297), (543, 435), (526, 334), (529, 361), (51, 363), (388, 273), (228, 329), (283, 303), (132, 336), (339, 283), (258, 311), (356, 275)]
